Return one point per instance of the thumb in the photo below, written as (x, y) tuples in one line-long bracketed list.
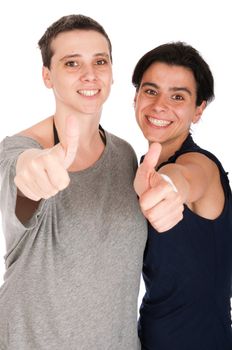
[(147, 169), (71, 140)]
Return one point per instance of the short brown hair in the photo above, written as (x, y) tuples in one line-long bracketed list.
[(66, 24)]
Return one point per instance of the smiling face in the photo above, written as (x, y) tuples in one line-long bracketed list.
[(81, 71), (165, 104)]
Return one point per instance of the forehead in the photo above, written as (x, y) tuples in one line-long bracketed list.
[(171, 75), (79, 42)]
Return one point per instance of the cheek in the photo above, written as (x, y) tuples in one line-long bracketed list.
[(184, 112), (105, 74), (136, 109), (140, 108), (138, 116), (65, 82), (138, 105), (108, 81), (106, 84)]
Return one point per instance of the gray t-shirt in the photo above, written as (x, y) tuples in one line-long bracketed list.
[(73, 271)]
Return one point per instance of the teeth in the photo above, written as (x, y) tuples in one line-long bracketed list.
[(88, 92), (158, 122)]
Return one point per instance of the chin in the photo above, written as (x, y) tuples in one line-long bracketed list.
[(151, 138)]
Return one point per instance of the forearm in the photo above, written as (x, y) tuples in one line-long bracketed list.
[(22, 160)]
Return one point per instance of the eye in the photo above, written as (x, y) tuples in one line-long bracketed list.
[(101, 62), (71, 64), (178, 97), (151, 92)]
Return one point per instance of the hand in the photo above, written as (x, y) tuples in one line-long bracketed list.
[(160, 204), (43, 173)]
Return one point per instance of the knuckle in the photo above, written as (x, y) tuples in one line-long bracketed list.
[(47, 157), (46, 195), (151, 217), (63, 183), (142, 204), (161, 229), (16, 180), (54, 193), (158, 228), (33, 165), (153, 220), (21, 178), (35, 198)]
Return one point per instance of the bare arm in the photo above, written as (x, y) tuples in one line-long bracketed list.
[(196, 179)]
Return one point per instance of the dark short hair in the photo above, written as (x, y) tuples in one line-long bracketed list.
[(179, 54), (66, 24)]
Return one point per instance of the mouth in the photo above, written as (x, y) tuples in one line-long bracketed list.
[(88, 93), (161, 123)]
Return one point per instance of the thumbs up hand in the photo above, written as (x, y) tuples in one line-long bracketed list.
[(159, 200), (147, 169), (66, 152), (43, 173)]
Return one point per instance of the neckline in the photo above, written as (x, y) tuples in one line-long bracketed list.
[(94, 167), (99, 162), (57, 140)]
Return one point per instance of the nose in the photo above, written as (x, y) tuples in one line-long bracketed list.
[(160, 103), (88, 73)]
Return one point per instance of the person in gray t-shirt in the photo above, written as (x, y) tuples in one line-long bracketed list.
[(74, 232)]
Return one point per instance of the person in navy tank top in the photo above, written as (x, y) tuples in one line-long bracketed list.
[(187, 265)]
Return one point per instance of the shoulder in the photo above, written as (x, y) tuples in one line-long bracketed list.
[(191, 153), (121, 144), (197, 158), (122, 151), (199, 166), (33, 137), (12, 145), (40, 132)]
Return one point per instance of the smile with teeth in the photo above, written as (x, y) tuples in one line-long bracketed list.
[(88, 92), (158, 122)]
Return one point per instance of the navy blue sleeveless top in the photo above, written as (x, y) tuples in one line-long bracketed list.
[(187, 273)]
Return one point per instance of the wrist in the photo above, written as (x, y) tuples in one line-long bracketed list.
[(167, 179)]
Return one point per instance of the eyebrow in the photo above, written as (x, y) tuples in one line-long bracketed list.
[(99, 54), (175, 88)]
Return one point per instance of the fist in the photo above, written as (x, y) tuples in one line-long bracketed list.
[(159, 200), (43, 173)]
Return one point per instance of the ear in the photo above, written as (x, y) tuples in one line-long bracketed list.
[(46, 74), (199, 111), (135, 99)]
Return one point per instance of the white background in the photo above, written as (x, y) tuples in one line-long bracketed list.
[(134, 28)]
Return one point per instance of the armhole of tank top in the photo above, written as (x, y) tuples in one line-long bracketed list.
[(223, 178)]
